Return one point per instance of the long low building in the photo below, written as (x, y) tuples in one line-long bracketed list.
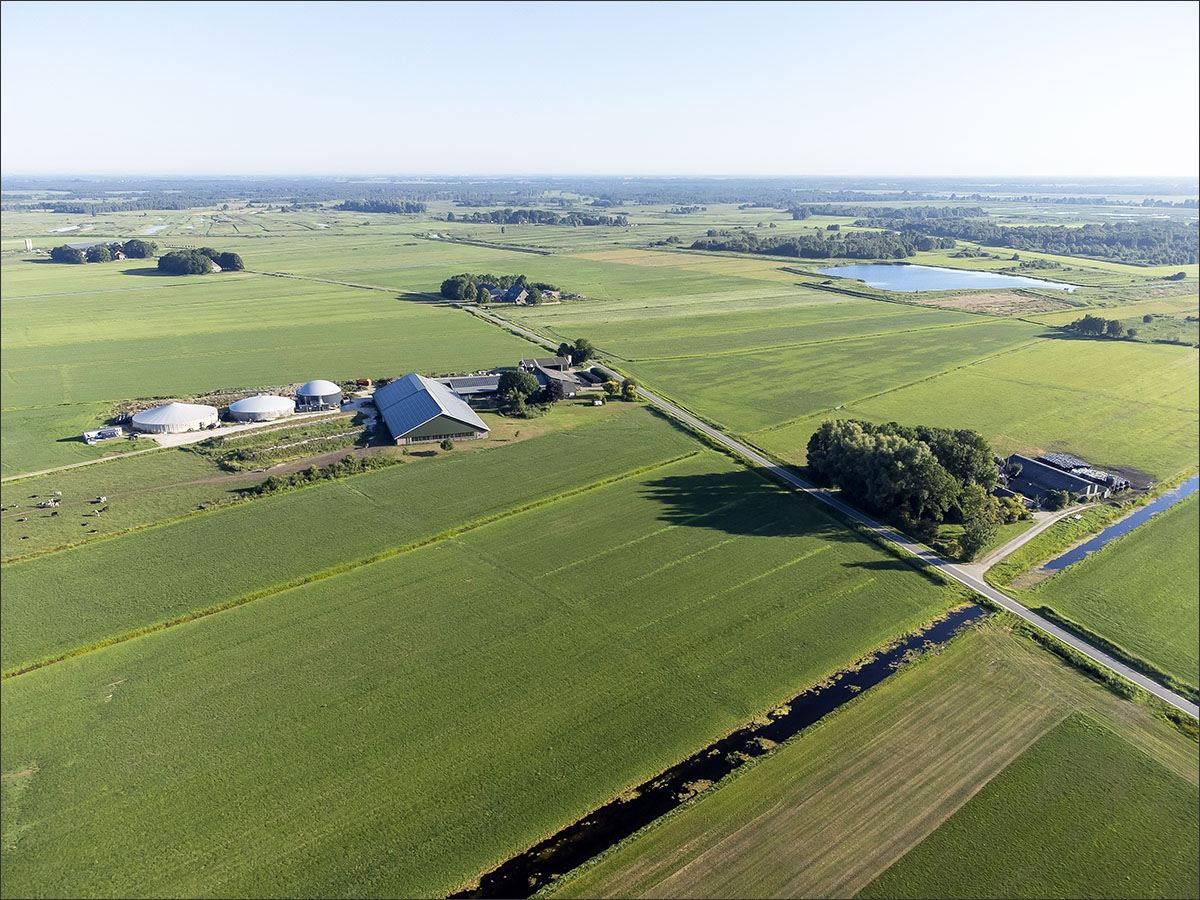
[(418, 410), (469, 385), (1038, 478)]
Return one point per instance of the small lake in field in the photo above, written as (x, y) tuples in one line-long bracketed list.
[(909, 278), (1124, 526)]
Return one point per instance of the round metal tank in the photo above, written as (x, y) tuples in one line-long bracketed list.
[(262, 408), (173, 418), (319, 393)]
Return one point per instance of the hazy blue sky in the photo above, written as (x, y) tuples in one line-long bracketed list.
[(578, 88)]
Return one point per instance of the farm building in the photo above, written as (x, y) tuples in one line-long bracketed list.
[(174, 418), (569, 382), (1080, 467), (554, 363), (262, 408), (417, 410), (317, 394), (471, 385), (1037, 478)]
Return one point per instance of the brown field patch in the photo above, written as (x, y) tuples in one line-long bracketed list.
[(1001, 303)]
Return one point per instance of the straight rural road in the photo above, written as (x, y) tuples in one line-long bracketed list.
[(960, 574)]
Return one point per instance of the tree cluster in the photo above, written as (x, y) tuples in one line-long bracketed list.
[(916, 476), (198, 262), (350, 465), (892, 213), (827, 245), (535, 217), (1097, 326), (1149, 242), (578, 352), (97, 253), (468, 288), (382, 205)]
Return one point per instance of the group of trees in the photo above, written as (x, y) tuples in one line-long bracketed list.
[(97, 253), (535, 217), (1147, 242), (468, 288), (382, 205), (578, 352), (198, 262), (1096, 326), (828, 245), (909, 213), (917, 476)]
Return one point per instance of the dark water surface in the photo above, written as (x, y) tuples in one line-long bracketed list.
[(523, 875), (909, 278), (1126, 525)]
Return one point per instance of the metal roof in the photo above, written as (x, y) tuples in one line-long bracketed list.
[(263, 403), (318, 388), (174, 414), (413, 400), (1049, 477), (1063, 461), (472, 384)]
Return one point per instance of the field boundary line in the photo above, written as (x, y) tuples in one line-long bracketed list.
[(346, 567)]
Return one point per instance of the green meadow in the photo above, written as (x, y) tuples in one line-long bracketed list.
[(830, 811), (1128, 829), (398, 728), (1139, 591), (75, 598)]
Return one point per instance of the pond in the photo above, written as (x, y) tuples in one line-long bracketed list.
[(909, 279), (1124, 526)]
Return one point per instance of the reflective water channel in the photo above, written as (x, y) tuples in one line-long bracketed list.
[(1126, 525), (523, 875), (908, 278)]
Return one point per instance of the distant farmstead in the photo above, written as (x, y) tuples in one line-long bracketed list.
[(418, 410)]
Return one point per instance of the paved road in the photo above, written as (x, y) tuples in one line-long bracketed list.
[(960, 574), (1042, 521)]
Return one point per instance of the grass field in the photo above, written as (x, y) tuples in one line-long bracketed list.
[(1053, 395), (1039, 830), (399, 728), (68, 355), (1139, 592), (55, 604), (835, 807)]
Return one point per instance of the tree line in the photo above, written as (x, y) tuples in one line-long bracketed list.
[(98, 253), (382, 205), (535, 217), (909, 213), (468, 288), (832, 245), (1153, 243), (918, 477), (198, 262)]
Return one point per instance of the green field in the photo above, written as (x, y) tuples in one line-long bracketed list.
[(834, 808), (396, 729), (1129, 829), (68, 356), (58, 603), (1139, 592)]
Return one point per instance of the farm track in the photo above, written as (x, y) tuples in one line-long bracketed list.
[(960, 574)]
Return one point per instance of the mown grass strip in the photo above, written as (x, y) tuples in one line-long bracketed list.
[(342, 569)]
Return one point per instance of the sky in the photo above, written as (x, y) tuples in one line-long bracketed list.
[(856, 89)]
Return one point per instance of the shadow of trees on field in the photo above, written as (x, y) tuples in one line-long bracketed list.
[(739, 502)]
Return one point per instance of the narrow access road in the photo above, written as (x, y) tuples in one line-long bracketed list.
[(961, 574), (1043, 520)]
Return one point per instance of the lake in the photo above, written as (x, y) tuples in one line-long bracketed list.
[(909, 278)]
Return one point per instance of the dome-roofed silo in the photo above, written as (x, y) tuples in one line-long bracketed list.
[(262, 408), (318, 393), (173, 418)]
